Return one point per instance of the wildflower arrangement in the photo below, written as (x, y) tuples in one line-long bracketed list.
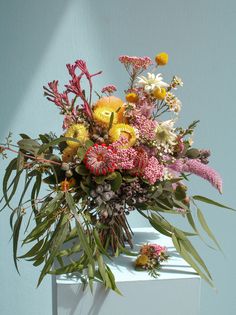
[(115, 156), (150, 258)]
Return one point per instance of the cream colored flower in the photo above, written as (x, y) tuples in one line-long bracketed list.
[(165, 133), (176, 81), (173, 102), (152, 82)]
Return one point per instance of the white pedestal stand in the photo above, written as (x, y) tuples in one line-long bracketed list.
[(176, 291)]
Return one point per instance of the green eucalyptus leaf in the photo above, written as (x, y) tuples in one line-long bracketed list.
[(34, 250), (16, 232), (210, 201), (58, 237), (81, 153), (80, 230), (88, 144), (29, 145), (82, 170), (73, 267), (206, 228), (116, 183)]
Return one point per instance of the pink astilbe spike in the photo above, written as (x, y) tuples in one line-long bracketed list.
[(195, 166)]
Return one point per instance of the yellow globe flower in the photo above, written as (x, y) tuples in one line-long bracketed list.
[(79, 132), (104, 108), (141, 261), (102, 115), (159, 93), (162, 59), (131, 97), (123, 130), (68, 154)]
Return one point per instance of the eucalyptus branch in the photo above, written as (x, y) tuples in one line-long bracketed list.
[(36, 158)]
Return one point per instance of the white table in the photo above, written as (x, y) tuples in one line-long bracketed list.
[(176, 291)]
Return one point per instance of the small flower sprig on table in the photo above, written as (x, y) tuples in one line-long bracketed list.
[(150, 258)]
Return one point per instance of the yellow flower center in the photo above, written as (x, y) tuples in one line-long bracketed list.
[(159, 93), (131, 97)]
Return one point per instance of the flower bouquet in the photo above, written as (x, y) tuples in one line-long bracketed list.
[(115, 156)]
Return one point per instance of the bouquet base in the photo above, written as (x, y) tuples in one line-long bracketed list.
[(176, 291)]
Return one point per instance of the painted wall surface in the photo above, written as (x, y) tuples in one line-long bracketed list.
[(39, 37)]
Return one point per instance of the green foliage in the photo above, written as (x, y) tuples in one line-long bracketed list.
[(64, 216)]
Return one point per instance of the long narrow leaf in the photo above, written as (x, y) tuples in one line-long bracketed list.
[(210, 201), (206, 228)]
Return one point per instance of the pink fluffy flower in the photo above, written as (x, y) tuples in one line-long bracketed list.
[(122, 158), (157, 249), (153, 171), (136, 62), (109, 89), (145, 126), (195, 166)]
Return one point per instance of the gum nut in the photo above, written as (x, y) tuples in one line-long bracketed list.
[(107, 187), (65, 166), (69, 173), (106, 196), (99, 189), (105, 214), (98, 200), (93, 193)]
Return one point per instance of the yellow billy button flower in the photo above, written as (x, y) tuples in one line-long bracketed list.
[(141, 261), (131, 97), (123, 130), (159, 93), (79, 132), (104, 108), (162, 59)]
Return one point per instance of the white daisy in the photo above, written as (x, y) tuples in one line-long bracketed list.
[(151, 82)]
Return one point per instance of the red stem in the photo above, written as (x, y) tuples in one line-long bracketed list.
[(31, 156)]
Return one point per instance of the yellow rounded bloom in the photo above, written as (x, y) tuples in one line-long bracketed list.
[(123, 130), (79, 132), (102, 115), (141, 261), (104, 108), (68, 154), (110, 102), (131, 97), (162, 59), (159, 93)]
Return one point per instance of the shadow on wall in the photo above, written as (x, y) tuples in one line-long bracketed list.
[(26, 28)]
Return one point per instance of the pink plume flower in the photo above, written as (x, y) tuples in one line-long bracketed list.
[(195, 166)]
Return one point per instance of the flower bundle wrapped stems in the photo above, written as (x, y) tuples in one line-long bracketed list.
[(117, 233)]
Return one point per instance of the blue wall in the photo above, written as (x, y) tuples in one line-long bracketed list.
[(39, 37)]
